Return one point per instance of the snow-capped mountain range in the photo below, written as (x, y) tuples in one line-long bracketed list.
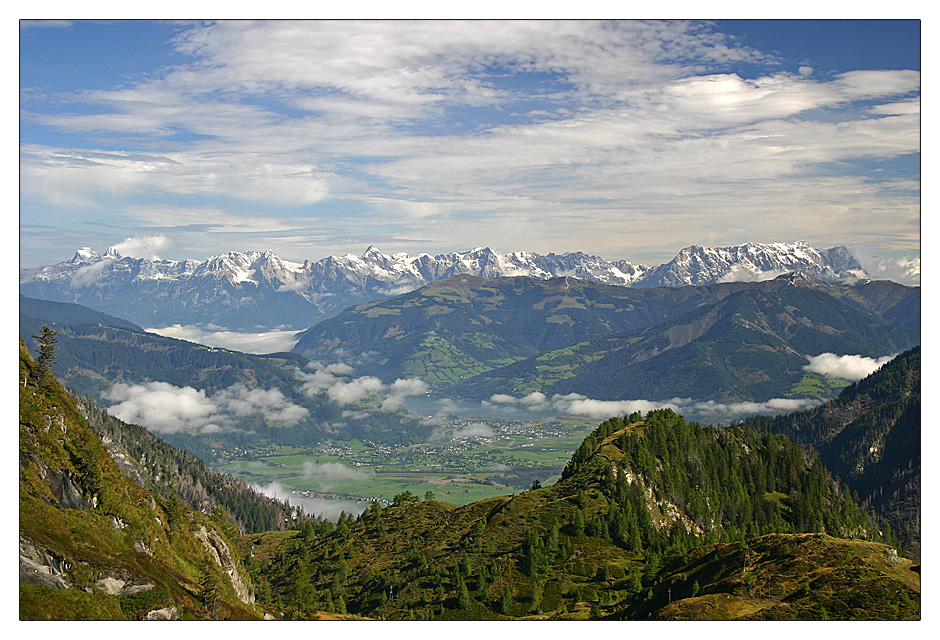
[(258, 290)]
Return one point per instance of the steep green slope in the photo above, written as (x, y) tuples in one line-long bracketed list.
[(94, 545), (870, 437), (638, 497)]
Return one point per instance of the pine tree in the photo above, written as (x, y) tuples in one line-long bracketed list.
[(46, 340)]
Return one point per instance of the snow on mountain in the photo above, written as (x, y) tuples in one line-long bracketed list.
[(752, 262), (252, 290)]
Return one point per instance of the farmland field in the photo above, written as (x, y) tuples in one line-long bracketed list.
[(470, 459)]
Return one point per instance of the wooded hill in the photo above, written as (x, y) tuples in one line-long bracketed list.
[(175, 474), (650, 509)]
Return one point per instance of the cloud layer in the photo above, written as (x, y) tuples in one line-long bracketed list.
[(329, 509), (165, 408), (257, 343), (316, 138)]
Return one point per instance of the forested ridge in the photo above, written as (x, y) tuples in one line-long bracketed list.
[(637, 499), (870, 437)]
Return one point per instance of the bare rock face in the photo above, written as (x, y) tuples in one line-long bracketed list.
[(38, 566), (222, 555), (166, 613), (67, 489)]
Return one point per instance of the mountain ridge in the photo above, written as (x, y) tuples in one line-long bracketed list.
[(257, 288)]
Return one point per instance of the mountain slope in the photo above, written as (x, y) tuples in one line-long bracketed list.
[(641, 499), (870, 436), (485, 323), (94, 545), (166, 471), (727, 342), (751, 345), (244, 291)]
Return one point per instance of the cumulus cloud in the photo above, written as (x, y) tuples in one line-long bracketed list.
[(847, 367), (329, 509), (165, 408), (257, 343), (903, 269), (742, 273), (576, 404), (474, 430), (403, 388), (337, 382), (712, 410), (535, 401), (355, 390), (143, 246), (241, 401)]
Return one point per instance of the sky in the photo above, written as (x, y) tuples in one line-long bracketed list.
[(625, 139)]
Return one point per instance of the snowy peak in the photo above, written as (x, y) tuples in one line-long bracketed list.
[(258, 289), (752, 262)]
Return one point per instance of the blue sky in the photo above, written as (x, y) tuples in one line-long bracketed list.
[(622, 139)]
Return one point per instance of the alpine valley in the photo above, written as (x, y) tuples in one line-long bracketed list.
[(523, 434)]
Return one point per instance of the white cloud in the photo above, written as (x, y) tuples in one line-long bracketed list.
[(902, 269), (143, 246), (712, 410), (638, 136), (574, 404), (474, 430), (706, 411), (257, 343), (740, 273), (165, 408), (401, 389), (355, 390), (848, 367), (336, 381), (331, 474), (162, 407), (91, 274)]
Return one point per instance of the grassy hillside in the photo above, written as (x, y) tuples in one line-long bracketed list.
[(94, 545)]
